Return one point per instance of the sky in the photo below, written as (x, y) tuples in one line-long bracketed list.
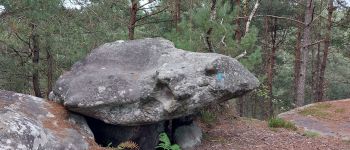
[(77, 4)]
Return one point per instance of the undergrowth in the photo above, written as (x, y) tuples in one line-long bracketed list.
[(208, 117), (280, 123), (318, 110), (311, 134)]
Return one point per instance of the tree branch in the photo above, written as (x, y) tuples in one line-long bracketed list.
[(251, 16), (152, 14), (149, 2), (272, 16), (314, 43), (157, 21)]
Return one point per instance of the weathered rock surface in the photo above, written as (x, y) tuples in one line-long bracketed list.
[(28, 122), (188, 136), (146, 81)]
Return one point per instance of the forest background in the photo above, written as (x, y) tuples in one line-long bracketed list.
[(299, 49)]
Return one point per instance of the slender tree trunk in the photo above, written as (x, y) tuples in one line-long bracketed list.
[(306, 42), (327, 43), (132, 22), (316, 72), (238, 32), (35, 60), (176, 14), (257, 3), (271, 66), (297, 61), (238, 37), (49, 69), (208, 40)]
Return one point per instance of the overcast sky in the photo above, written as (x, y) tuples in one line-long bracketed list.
[(77, 4)]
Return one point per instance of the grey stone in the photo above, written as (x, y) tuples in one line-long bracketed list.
[(188, 136), (146, 81), (28, 122)]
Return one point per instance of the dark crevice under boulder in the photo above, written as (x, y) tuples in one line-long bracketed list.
[(146, 136)]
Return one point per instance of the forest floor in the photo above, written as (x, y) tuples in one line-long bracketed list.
[(320, 126)]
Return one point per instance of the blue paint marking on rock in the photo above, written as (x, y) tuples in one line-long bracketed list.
[(220, 76)]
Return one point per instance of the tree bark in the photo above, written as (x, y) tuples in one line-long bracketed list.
[(306, 42), (35, 60), (238, 32), (316, 72), (251, 16), (132, 22), (297, 61), (271, 66), (176, 14), (49, 74), (208, 41), (327, 43), (238, 37)]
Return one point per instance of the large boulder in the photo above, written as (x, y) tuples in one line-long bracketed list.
[(149, 80), (28, 122)]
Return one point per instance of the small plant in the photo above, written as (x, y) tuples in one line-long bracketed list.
[(166, 144), (280, 123), (340, 110), (311, 134), (128, 145), (208, 117)]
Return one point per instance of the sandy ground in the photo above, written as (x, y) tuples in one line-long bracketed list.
[(251, 134)]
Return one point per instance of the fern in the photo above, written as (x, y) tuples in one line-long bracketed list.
[(128, 145), (166, 144)]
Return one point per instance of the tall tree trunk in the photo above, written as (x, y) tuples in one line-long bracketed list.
[(297, 61), (132, 21), (316, 72), (306, 42), (238, 32), (238, 37), (35, 60), (271, 66), (176, 14), (208, 40), (49, 69), (327, 43)]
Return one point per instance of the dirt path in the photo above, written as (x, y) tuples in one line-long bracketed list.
[(251, 134), (327, 118)]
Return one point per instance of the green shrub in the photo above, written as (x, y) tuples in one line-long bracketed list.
[(280, 123)]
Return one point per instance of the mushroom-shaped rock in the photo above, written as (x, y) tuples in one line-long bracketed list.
[(149, 80), (28, 122)]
